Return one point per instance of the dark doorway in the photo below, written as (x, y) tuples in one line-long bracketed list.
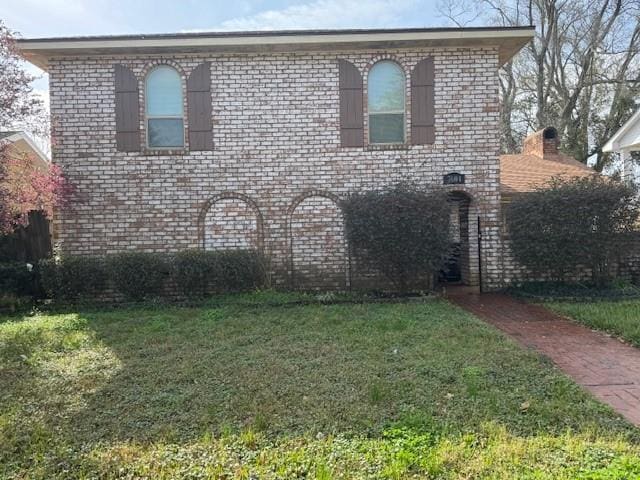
[(457, 269)]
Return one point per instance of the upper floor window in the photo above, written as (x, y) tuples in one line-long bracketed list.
[(164, 108), (386, 97)]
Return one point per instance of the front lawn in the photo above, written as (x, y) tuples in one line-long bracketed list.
[(621, 318), (311, 391)]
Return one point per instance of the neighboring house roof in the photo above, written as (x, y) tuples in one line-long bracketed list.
[(509, 40), (627, 137), (21, 143), (539, 162), (4, 135), (523, 173)]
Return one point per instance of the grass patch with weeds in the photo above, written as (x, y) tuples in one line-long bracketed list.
[(620, 318), (414, 390)]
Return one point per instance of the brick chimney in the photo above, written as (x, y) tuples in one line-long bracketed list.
[(542, 144)]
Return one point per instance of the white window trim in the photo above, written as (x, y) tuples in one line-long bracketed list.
[(386, 112), (148, 117)]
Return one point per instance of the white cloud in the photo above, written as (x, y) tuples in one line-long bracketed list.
[(326, 14)]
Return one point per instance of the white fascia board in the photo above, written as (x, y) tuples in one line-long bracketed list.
[(628, 135)]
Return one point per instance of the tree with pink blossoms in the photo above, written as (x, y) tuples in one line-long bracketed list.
[(25, 183)]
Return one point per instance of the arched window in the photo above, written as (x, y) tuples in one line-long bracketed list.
[(164, 108), (385, 94)]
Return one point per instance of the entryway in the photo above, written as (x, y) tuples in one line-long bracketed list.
[(462, 265)]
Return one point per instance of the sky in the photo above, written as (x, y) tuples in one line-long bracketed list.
[(51, 18), (36, 18)]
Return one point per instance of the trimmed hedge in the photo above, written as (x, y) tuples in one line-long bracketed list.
[(18, 278), (139, 275), (198, 272), (192, 270), (238, 270), (72, 278)]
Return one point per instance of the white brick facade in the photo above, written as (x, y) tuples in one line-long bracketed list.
[(276, 141)]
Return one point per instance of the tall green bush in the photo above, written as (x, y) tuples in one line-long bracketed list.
[(571, 224), (403, 231), (138, 275)]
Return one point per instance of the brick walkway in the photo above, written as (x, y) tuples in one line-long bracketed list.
[(606, 367)]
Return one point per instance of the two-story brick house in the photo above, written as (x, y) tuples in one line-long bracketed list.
[(250, 139)]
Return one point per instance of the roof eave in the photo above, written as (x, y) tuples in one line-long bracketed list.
[(17, 136), (613, 144), (508, 40)]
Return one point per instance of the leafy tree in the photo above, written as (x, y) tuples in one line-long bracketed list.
[(572, 224), (402, 230)]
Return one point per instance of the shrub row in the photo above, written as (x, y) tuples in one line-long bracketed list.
[(18, 278), (138, 275), (197, 272)]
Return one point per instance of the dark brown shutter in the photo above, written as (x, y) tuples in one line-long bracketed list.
[(423, 103), (127, 110), (199, 104), (351, 115)]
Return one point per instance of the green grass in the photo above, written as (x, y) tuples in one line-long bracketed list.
[(621, 318), (393, 391)]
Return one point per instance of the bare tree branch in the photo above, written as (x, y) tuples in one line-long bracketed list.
[(581, 73)]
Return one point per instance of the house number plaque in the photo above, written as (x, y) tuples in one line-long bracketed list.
[(453, 179)]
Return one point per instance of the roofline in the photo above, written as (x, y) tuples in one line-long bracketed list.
[(612, 144), (271, 33), (23, 136), (509, 39)]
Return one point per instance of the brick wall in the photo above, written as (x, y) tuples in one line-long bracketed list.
[(242, 232), (276, 141), (318, 246)]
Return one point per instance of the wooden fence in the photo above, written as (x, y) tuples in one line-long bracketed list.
[(28, 244)]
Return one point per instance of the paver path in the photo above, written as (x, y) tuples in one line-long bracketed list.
[(608, 368)]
